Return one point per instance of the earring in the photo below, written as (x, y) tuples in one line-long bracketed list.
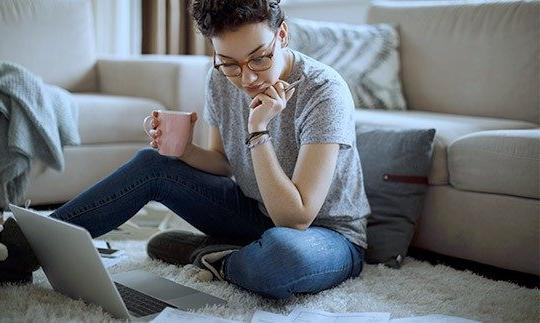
[(288, 39)]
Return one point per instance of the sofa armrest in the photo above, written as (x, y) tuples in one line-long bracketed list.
[(176, 81)]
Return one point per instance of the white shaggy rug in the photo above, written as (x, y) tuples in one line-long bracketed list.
[(417, 289)]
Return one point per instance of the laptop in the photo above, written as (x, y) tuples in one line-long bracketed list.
[(74, 268)]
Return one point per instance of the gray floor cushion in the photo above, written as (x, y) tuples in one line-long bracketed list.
[(395, 164)]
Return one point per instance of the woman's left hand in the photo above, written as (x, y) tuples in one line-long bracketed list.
[(265, 106)]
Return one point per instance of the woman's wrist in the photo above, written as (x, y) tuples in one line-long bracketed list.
[(187, 152), (259, 140)]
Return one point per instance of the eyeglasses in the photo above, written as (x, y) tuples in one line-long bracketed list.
[(256, 64)]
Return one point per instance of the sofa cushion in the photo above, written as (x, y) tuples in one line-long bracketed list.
[(498, 161), (395, 164), (113, 119), (85, 166), (468, 57), (366, 56), (449, 128), (53, 39)]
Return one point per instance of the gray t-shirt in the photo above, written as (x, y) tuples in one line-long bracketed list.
[(320, 111)]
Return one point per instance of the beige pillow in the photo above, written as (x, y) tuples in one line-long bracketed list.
[(366, 56)]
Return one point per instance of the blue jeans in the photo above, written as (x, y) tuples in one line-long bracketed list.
[(278, 262)]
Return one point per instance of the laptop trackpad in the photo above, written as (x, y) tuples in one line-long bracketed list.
[(196, 301), (153, 285)]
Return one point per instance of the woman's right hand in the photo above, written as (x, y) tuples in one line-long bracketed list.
[(189, 145), (155, 134)]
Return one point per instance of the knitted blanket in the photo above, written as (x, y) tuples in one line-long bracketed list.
[(36, 121)]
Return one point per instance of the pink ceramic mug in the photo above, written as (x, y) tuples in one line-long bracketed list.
[(175, 129)]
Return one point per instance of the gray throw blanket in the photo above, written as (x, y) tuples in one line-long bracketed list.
[(36, 121)]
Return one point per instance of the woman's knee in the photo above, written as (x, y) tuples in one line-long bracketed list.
[(283, 242), (151, 157), (264, 278), (286, 261), (276, 261), (146, 154)]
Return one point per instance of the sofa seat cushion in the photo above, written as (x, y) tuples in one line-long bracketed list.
[(449, 128), (498, 161), (85, 166), (113, 119)]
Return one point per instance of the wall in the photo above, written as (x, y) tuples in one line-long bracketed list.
[(117, 25), (348, 11)]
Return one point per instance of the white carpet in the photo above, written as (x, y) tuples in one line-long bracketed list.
[(417, 289)]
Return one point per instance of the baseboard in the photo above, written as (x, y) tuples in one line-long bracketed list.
[(491, 272)]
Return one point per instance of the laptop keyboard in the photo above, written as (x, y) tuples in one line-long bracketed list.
[(139, 303)]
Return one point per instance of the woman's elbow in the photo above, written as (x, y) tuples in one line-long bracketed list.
[(298, 223)]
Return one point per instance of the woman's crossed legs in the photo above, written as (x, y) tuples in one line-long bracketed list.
[(278, 262)]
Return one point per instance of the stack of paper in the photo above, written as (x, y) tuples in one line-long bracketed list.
[(173, 315), (302, 315), (313, 316)]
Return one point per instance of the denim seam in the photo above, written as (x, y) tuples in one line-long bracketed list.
[(148, 179)]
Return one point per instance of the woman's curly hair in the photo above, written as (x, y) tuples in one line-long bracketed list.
[(216, 16)]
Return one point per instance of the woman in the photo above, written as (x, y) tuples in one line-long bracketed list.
[(293, 220)]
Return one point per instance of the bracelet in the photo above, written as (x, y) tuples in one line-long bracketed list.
[(254, 138), (262, 139), (251, 138), (258, 141), (255, 134)]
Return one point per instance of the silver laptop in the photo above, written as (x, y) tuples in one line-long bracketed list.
[(74, 268)]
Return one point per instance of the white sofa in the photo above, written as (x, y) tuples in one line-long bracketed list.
[(469, 70)]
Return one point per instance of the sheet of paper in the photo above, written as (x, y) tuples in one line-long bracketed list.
[(109, 262), (174, 315), (436, 318), (267, 317), (313, 316), (99, 244)]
